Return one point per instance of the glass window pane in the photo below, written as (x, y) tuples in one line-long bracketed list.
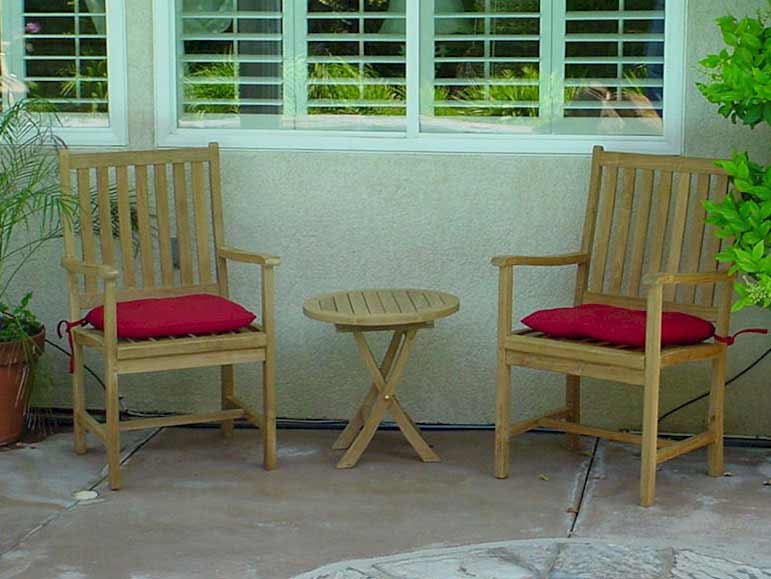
[(614, 67), (356, 65), (344, 67), (232, 62), (482, 66), (62, 47)]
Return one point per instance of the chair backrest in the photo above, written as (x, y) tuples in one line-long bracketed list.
[(645, 214), (155, 216)]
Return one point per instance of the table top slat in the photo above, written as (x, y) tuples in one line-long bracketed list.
[(374, 303), (343, 304), (359, 303), (404, 301), (390, 304)]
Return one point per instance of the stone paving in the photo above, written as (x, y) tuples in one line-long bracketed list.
[(196, 505), (557, 559)]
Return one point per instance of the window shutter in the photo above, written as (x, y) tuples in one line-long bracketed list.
[(355, 52), (64, 55), (614, 66), (231, 56), (485, 62)]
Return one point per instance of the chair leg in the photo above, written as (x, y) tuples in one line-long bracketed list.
[(650, 432), (227, 387), (502, 417), (113, 430), (78, 400), (573, 402), (269, 412), (717, 415)]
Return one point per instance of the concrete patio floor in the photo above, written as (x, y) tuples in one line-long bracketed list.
[(196, 505)]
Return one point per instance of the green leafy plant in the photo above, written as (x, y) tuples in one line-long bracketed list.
[(18, 322), (745, 217), (740, 84), (31, 204), (211, 85), (31, 201), (740, 75), (357, 85)]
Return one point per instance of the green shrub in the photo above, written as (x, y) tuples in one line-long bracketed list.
[(740, 84)]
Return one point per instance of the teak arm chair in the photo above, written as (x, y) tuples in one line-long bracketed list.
[(103, 269), (644, 213)]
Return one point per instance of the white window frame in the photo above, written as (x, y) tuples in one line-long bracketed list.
[(116, 133), (169, 134)]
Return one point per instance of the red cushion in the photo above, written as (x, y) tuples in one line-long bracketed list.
[(619, 326), (178, 316), (559, 322)]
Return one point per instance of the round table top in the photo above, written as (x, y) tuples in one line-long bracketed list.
[(381, 307)]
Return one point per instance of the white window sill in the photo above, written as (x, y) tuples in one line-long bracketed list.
[(424, 143), (91, 137)]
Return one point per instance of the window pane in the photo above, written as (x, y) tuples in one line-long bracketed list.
[(232, 62), (356, 65), (482, 66), (343, 67), (614, 67), (63, 46)]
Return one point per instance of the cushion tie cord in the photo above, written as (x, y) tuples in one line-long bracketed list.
[(731, 340), (68, 329)]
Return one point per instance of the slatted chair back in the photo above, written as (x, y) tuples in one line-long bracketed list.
[(155, 216), (645, 214)]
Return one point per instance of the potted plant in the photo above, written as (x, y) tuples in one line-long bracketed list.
[(739, 82), (30, 205)]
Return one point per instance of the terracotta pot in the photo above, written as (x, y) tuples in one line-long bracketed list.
[(14, 375)]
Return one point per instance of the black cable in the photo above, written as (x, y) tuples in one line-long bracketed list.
[(90, 371), (661, 419), (706, 394)]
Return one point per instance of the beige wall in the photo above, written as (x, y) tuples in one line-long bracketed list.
[(347, 220)]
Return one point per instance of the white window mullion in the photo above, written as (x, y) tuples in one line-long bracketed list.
[(416, 65), (426, 48), (553, 70), (12, 35), (299, 46), (674, 71), (117, 70)]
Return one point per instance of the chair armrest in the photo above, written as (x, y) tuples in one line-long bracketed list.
[(105, 272), (655, 304), (547, 260), (242, 256), (687, 278)]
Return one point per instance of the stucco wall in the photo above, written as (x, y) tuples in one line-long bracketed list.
[(348, 220)]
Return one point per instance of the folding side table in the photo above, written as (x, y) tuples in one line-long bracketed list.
[(403, 312)]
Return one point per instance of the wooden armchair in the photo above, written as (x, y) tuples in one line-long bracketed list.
[(103, 268), (645, 213)]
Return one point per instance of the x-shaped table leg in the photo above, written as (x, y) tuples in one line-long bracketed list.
[(381, 398)]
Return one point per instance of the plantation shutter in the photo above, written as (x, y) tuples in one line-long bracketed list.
[(613, 66), (356, 68), (231, 53), (62, 55), (484, 61)]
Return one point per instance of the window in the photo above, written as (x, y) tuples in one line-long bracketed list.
[(433, 75), (70, 53)]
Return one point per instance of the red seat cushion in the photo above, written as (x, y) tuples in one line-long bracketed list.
[(559, 322), (620, 326), (177, 316)]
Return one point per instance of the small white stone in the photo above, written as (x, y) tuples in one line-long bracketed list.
[(85, 495)]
